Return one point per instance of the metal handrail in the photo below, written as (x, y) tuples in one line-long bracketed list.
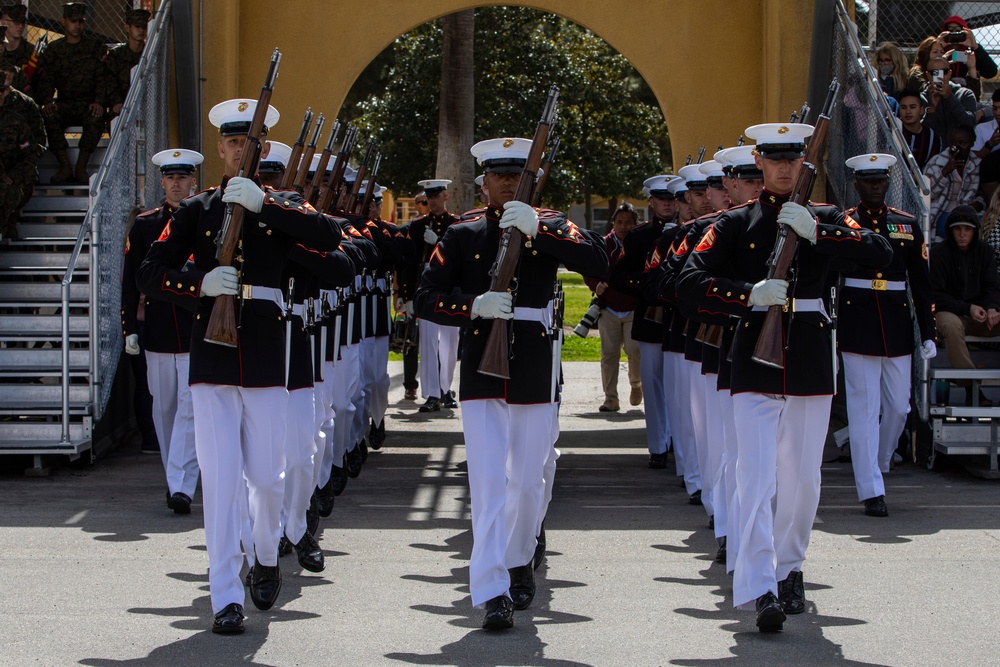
[(65, 287), (916, 177)]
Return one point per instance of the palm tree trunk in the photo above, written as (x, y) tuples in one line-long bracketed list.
[(457, 109)]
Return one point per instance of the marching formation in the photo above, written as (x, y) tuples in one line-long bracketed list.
[(264, 307)]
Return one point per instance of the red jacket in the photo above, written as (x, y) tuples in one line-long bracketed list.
[(612, 298)]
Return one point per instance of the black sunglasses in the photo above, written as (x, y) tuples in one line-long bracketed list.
[(420, 202)]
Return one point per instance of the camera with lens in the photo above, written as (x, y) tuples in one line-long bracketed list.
[(589, 319), (954, 37)]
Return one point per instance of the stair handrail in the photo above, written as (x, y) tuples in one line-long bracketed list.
[(64, 293)]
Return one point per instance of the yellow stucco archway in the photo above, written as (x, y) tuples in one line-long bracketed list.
[(716, 66)]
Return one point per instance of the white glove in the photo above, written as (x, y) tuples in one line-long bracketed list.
[(132, 344), (928, 350), (520, 215), (220, 280), (429, 236), (770, 292), (799, 219), (408, 308), (493, 305), (244, 192)]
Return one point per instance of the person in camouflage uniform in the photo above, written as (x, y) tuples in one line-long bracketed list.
[(71, 66), (120, 60), (22, 142), (18, 49)]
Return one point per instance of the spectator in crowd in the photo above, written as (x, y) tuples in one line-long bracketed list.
[(119, 61), (924, 142), (966, 289), (17, 49), (954, 177), (22, 142), (990, 232), (986, 145), (929, 48), (892, 71), (66, 90), (969, 60), (948, 104), (617, 311)]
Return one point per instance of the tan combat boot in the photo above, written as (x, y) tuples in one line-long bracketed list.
[(65, 169)]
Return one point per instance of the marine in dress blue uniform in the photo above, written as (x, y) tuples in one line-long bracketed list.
[(239, 394), (507, 423), (781, 414), (875, 335)]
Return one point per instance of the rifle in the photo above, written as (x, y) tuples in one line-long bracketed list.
[(770, 346), (302, 173), (222, 325), (351, 200), (310, 191), (496, 356), (331, 188), (289, 176), (140, 176), (701, 154), (32, 64), (550, 157), (366, 202)]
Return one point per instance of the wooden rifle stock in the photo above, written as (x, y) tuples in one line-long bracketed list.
[(496, 355), (654, 314), (710, 334), (543, 178), (311, 190), (221, 327), (329, 189), (770, 347), (366, 202), (288, 178)]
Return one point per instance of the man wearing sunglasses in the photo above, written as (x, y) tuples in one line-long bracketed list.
[(949, 105), (17, 48)]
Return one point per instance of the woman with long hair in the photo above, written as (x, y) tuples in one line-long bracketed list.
[(929, 48), (989, 229), (892, 68)]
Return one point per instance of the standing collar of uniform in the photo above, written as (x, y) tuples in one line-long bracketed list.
[(657, 220), (438, 218), (494, 212), (873, 212), (771, 199)]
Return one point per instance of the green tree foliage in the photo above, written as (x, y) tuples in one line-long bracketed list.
[(613, 133)]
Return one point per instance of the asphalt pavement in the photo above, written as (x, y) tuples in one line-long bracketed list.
[(97, 571)]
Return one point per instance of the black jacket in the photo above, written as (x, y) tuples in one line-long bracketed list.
[(960, 280), (627, 275)]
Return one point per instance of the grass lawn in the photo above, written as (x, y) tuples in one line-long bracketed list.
[(578, 297)]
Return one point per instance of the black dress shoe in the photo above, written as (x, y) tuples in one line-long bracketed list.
[(658, 461), (312, 519), (539, 556), (338, 478), (363, 448), (247, 579), (695, 498), (376, 436), (792, 594), (284, 546), (323, 499), (433, 404), (720, 555), (522, 586), (876, 507), (309, 553), (353, 462), (711, 522), (499, 614), (265, 584), (770, 618), (448, 402), (180, 503), (229, 621)]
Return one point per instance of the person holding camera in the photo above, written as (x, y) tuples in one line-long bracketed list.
[(954, 177), (948, 104), (970, 63), (615, 317)]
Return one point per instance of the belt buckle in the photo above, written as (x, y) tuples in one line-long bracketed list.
[(246, 291), (879, 285)]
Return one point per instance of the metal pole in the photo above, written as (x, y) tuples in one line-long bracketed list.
[(95, 306), (65, 363)]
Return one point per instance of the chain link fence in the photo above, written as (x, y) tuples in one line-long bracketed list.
[(105, 18), (908, 22), (141, 131)]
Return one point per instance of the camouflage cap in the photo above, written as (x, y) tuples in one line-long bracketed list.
[(17, 13), (138, 17), (75, 11)]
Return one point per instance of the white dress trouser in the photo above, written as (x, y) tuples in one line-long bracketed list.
[(549, 472), (699, 428), (671, 395), (323, 403), (239, 432), (654, 398), (363, 392), (780, 441), (378, 403), (684, 444), (715, 454), (506, 461), (730, 459), (438, 356), (345, 376), (173, 419), (300, 451), (873, 383)]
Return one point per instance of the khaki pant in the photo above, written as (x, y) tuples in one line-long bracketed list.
[(615, 333), (952, 330)]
